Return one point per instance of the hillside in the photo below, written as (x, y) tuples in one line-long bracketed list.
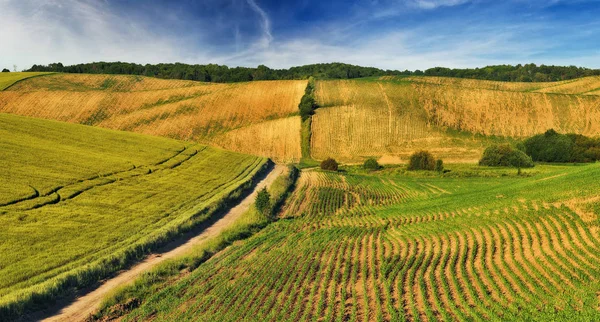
[(480, 244), (177, 109), (386, 117), (8, 79), (453, 118), (78, 203)]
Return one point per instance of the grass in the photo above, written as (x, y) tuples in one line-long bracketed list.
[(216, 114), (126, 298), (9, 79), (82, 203), (484, 244)]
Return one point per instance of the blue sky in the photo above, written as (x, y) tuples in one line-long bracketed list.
[(390, 34)]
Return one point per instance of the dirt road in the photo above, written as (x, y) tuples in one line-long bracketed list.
[(85, 305)]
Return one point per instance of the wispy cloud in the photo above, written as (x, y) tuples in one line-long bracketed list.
[(265, 23), (75, 31), (433, 4)]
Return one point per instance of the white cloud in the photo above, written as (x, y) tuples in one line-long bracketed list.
[(74, 31)]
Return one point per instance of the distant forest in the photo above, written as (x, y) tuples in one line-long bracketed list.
[(224, 74)]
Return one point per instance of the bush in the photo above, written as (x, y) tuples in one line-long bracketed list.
[(329, 164), (504, 155), (308, 104), (439, 165), (5, 70), (555, 147), (371, 164), (263, 202), (421, 160), (549, 147)]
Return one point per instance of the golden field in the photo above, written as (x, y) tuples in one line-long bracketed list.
[(586, 85), (278, 138), (172, 108), (453, 118)]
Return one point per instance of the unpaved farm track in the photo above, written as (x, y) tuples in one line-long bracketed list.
[(87, 304)]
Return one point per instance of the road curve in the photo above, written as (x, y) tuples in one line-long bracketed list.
[(87, 304)]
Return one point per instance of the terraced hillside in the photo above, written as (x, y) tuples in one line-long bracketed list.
[(78, 203), (453, 118), (481, 244), (186, 110)]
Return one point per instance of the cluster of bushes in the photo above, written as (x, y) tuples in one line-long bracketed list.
[(329, 164), (308, 104), (423, 160), (505, 155), (371, 165), (555, 147), (5, 70)]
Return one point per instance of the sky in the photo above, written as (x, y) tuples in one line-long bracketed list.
[(389, 34)]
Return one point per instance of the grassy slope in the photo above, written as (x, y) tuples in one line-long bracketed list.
[(8, 79), (478, 244), (454, 118), (104, 198), (185, 110)]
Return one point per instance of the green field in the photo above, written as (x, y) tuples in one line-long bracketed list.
[(8, 79), (475, 244), (78, 203)]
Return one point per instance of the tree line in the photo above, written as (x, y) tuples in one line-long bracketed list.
[(224, 74), (518, 73), (220, 73)]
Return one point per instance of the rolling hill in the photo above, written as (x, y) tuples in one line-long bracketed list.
[(453, 118), (386, 117), (9, 79), (78, 203), (185, 110)]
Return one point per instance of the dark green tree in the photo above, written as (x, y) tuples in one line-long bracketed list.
[(504, 155), (421, 160), (263, 202), (371, 164), (329, 164), (439, 165)]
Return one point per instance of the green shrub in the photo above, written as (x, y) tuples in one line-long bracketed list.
[(439, 165), (504, 155), (5, 70), (329, 164), (263, 202), (555, 147), (371, 164), (421, 160), (549, 147), (308, 104)]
